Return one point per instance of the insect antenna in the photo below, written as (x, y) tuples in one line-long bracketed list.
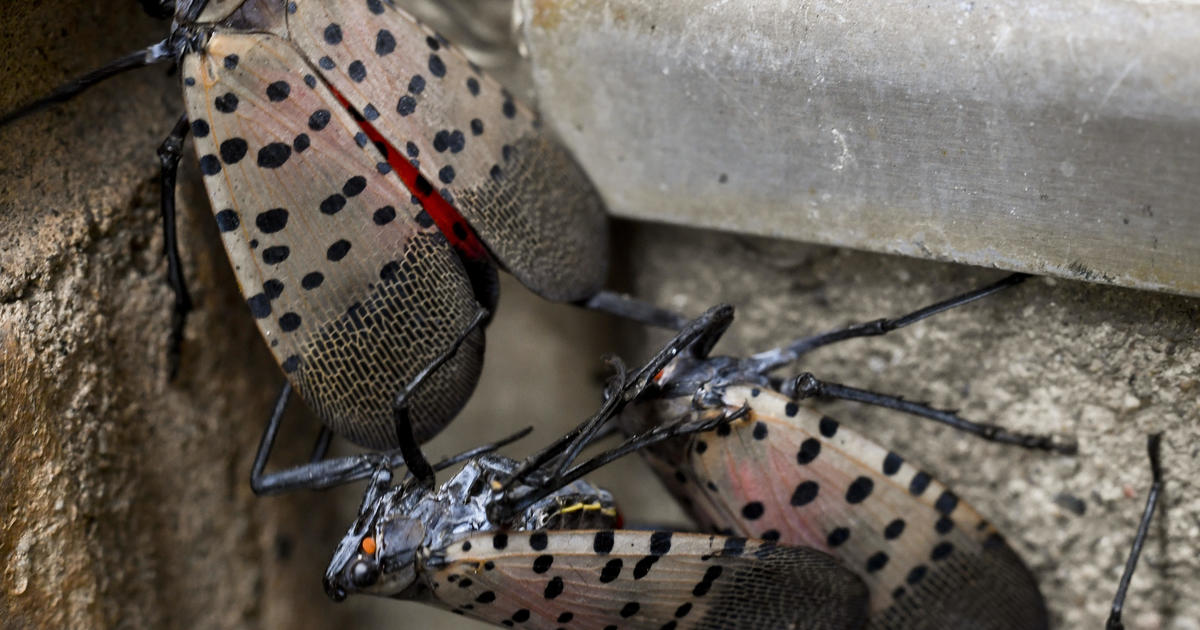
[(1153, 448), (808, 386), (162, 51), (771, 360)]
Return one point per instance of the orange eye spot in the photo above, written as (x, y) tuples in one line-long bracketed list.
[(368, 546), (658, 376)]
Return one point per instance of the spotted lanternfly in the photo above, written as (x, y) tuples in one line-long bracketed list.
[(367, 180), (784, 472), (530, 544)]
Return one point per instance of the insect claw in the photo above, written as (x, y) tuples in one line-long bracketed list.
[(741, 412), (806, 386)]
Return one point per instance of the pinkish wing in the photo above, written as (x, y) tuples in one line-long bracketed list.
[(353, 288), (786, 473), (641, 579), (522, 193)]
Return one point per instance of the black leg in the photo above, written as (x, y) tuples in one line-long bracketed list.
[(308, 476), (1153, 446), (267, 442), (654, 436), (481, 450), (633, 309), (548, 484), (413, 456), (169, 154), (417, 464), (764, 362), (613, 402), (322, 445), (807, 386), (325, 473), (550, 469), (701, 332), (557, 451), (314, 475), (162, 51)]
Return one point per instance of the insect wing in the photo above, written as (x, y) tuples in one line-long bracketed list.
[(521, 193), (786, 473), (353, 288), (641, 579)]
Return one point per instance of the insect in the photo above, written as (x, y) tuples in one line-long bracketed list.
[(785, 472), (1153, 448), (367, 181), (530, 544)]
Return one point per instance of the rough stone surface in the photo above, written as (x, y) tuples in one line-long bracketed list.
[(124, 495)]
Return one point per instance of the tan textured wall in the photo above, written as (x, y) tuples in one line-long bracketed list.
[(123, 497)]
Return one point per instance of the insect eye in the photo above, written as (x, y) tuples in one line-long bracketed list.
[(364, 573)]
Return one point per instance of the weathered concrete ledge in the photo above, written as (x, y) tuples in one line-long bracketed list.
[(1059, 138)]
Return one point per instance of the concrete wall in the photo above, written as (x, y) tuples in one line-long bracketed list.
[(1054, 137), (123, 495)]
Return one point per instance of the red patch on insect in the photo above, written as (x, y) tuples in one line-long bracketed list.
[(448, 220)]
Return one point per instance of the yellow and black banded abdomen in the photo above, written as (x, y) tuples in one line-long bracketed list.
[(579, 512)]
